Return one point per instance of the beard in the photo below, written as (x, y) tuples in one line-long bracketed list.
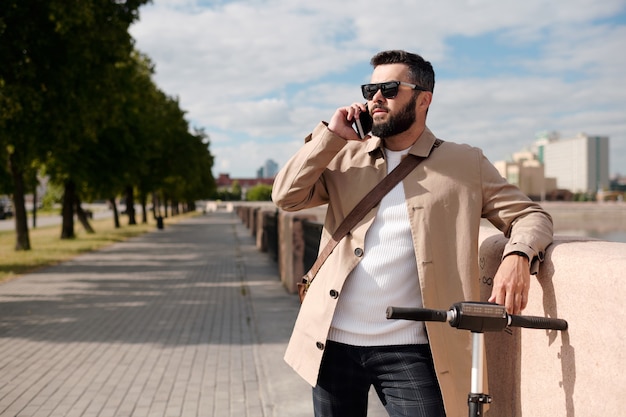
[(398, 123)]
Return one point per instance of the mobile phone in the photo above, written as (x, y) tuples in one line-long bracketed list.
[(363, 123)]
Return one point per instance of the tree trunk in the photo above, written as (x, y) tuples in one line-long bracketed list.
[(156, 206), (144, 209), (35, 206), (67, 228), (116, 216), (22, 239), (82, 217), (130, 205)]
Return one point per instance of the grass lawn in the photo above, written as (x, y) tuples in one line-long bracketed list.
[(48, 248)]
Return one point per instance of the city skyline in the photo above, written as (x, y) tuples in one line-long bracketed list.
[(258, 76)]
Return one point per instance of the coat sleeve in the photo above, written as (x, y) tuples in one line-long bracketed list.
[(527, 225), (300, 183)]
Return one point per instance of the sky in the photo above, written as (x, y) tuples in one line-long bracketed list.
[(259, 75)]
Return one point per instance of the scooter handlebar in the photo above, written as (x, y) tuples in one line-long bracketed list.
[(476, 316)]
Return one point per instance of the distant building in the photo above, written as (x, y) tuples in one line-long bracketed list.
[(542, 139), (580, 165), (264, 176), (269, 170), (528, 174), (224, 183), (556, 168)]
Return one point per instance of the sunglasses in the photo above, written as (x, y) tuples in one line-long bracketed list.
[(388, 89)]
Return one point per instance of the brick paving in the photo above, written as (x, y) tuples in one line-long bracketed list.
[(186, 321)]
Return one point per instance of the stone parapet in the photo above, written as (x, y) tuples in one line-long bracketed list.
[(579, 372), (291, 245), (261, 239)]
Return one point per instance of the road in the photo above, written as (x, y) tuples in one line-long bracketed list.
[(100, 211)]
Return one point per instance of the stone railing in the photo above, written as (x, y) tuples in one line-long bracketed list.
[(531, 372), (574, 373)]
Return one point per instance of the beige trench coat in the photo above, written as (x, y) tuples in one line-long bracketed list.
[(446, 195)]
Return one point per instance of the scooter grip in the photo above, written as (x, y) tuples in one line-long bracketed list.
[(416, 314), (534, 322)]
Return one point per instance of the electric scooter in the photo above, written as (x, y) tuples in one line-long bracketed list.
[(477, 317)]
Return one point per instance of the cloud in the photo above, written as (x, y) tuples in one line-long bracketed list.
[(259, 75)]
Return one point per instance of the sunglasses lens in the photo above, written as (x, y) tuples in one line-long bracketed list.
[(388, 90), (369, 90)]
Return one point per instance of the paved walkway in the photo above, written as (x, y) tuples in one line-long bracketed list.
[(186, 321)]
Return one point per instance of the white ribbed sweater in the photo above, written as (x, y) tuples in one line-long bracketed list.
[(386, 276)]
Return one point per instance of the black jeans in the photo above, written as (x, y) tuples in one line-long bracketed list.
[(403, 376)]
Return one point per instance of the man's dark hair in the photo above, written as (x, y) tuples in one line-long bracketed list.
[(420, 71)]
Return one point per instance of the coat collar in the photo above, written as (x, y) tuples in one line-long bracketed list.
[(421, 147)]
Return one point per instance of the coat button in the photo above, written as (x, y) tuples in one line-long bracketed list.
[(358, 252), (320, 345), (334, 293)]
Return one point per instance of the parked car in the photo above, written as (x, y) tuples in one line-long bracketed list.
[(6, 208)]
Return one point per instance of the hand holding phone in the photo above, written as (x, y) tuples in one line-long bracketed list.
[(363, 123)]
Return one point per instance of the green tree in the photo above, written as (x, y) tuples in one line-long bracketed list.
[(77, 100), (178, 162), (260, 192), (117, 158), (235, 190), (96, 48), (59, 60), (25, 58)]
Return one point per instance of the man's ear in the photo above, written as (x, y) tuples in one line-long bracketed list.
[(424, 100)]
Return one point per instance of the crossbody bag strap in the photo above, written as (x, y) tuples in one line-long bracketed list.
[(363, 207)]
